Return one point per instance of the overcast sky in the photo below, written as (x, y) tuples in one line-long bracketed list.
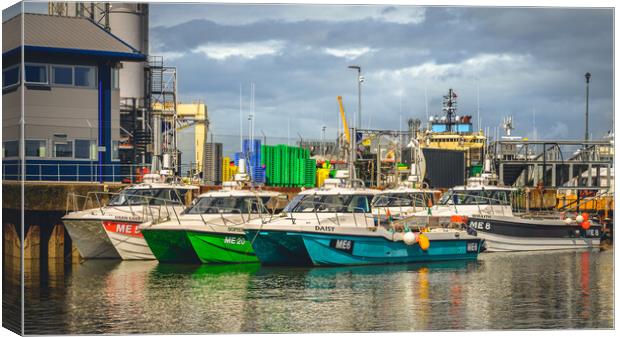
[(525, 61)]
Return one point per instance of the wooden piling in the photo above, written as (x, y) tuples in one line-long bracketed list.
[(75, 254), (56, 244), (32, 243), (11, 247)]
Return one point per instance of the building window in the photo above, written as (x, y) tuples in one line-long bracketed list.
[(10, 148), (115, 74), (10, 76), (36, 74), (115, 150), (63, 149), (84, 76), (83, 149), (35, 148), (62, 75)]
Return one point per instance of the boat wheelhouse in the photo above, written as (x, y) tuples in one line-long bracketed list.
[(111, 230)]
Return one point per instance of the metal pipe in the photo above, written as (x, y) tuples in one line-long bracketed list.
[(588, 75), (358, 122)]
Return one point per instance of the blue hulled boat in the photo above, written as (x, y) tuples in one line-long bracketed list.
[(352, 246)]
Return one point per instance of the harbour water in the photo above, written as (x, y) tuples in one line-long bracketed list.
[(541, 290)]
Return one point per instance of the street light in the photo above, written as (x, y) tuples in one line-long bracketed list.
[(358, 122), (588, 75), (360, 79)]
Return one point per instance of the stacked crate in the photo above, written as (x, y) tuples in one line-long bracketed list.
[(288, 166), (251, 152)]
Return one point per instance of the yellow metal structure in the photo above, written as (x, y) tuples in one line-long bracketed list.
[(197, 112), (344, 120), (471, 143), (600, 204)]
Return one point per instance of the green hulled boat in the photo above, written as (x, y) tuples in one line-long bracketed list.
[(210, 231), (221, 247), (169, 243)]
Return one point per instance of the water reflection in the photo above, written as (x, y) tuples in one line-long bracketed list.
[(499, 291)]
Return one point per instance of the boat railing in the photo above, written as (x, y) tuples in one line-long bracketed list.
[(224, 213), (336, 207), (413, 202), (144, 202), (489, 201)]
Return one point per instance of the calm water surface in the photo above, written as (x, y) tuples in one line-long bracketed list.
[(552, 290)]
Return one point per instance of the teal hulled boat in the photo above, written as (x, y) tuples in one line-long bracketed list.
[(354, 249), (278, 248)]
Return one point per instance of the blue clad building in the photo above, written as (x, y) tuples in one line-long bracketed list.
[(71, 99)]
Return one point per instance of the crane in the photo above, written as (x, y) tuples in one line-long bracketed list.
[(344, 120)]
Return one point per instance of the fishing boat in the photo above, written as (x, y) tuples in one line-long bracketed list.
[(334, 205), (486, 209), (334, 226), (529, 232), (384, 245), (111, 230), (210, 230)]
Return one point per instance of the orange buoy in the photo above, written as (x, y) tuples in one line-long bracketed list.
[(585, 216), (460, 219), (585, 224), (424, 242)]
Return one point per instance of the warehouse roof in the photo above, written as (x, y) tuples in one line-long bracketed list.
[(48, 33)]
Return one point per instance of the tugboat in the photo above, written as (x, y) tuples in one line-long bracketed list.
[(111, 231), (210, 230)]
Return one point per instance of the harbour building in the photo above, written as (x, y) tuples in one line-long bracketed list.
[(71, 98)]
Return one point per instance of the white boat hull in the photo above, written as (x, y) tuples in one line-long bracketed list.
[(503, 243), (128, 241), (90, 239)]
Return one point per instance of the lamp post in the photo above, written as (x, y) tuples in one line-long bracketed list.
[(588, 75), (358, 122), (360, 79), (323, 140)]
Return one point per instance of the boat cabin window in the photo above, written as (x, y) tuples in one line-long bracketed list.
[(420, 199), (293, 203), (143, 196), (475, 197), (228, 205), (169, 196), (331, 203)]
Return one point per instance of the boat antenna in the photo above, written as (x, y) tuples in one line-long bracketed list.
[(240, 118), (426, 102), (478, 102)]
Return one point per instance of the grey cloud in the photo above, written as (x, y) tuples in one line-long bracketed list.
[(555, 46)]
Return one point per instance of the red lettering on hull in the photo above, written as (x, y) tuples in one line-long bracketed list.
[(124, 228)]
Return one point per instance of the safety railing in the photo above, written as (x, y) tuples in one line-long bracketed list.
[(335, 209), (139, 205), (78, 172), (579, 203), (226, 214), (403, 204), (494, 204)]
